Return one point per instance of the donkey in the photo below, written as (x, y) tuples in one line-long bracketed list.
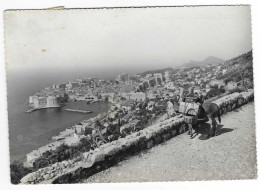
[(211, 110)]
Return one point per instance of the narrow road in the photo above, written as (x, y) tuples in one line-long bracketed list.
[(230, 155)]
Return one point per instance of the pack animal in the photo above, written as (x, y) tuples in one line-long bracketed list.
[(211, 110)]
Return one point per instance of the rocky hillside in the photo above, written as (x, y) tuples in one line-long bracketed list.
[(238, 68)]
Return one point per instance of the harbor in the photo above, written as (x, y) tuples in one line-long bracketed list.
[(35, 109)]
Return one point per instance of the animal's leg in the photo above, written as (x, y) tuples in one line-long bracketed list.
[(213, 126), (197, 127), (215, 129), (219, 118), (190, 130)]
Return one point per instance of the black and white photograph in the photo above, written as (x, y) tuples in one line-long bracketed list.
[(130, 94)]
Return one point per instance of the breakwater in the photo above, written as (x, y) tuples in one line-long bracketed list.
[(40, 108), (109, 154)]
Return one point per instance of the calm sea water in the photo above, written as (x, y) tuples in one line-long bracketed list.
[(28, 131)]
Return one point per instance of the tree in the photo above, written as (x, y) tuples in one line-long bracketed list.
[(238, 78), (18, 171), (215, 86), (143, 121), (222, 89)]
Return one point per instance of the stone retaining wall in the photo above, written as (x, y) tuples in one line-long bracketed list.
[(109, 154), (233, 101)]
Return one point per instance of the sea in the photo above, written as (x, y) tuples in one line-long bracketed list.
[(29, 131)]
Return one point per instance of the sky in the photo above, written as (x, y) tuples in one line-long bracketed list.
[(124, 39)]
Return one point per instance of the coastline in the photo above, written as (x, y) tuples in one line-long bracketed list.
[(57, 136), (61, 123), (66, 137)]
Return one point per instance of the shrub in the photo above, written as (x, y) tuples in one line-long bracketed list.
[(18, 171)]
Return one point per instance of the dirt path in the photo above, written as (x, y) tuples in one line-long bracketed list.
[(230, 155)]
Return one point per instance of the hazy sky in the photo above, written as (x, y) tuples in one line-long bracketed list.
[(125, 40)]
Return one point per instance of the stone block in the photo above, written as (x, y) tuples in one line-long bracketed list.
[(159, 130), (167, 127), (131, 142), (166, 136), (98, 157), (142, 139), (28, 178), (234, 106), (111, 150), (149, 135), (174, 132), (158, 139), (150, 144)]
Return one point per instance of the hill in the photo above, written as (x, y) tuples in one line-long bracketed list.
[(211, 60), (238, 68)]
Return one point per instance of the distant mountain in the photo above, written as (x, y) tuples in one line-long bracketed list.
[(211, 60)]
